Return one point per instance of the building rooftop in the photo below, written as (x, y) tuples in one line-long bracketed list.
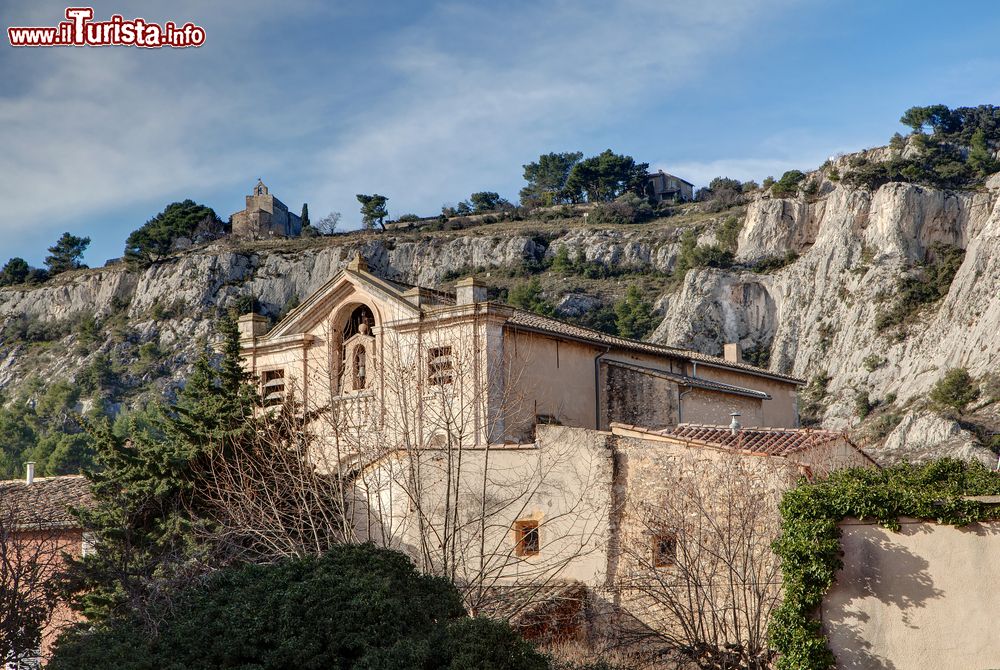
[(770, 441), (46, 501), (530, 320)]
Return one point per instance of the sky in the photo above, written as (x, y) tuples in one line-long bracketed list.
[(427, 102)]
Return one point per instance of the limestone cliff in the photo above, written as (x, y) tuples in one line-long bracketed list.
[(814, 317), (820, 314)]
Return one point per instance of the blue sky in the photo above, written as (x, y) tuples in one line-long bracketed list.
[(427, 102)]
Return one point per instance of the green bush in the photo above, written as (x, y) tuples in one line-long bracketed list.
[(357, 606), (955, 391), (728, 233), (774, 263), (693, 255), (634, 316), (788, 185), (873, 362), (528, 296), (930, 282)]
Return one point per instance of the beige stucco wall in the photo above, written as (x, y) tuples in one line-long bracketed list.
[(780, 411), (924, 597), (563, 481), (710, 407)]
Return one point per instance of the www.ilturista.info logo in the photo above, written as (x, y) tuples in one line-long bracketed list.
[(79, 30)]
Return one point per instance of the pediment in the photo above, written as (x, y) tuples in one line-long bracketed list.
[(348, 286)]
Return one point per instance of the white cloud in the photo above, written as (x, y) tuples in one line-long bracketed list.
[(472, 108), (470, 92)]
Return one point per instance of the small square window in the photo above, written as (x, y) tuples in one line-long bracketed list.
[(440, 368), (664, 550), (526, 538)]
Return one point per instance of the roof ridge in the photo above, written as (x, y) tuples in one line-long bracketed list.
[(665, 348)]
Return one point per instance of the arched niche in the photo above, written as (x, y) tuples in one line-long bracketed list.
[(353, 348)]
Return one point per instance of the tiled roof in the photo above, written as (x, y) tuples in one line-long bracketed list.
[(45, 501), (534, 321), (770, 441)]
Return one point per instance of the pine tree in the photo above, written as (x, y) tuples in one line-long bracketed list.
[(147, 509)]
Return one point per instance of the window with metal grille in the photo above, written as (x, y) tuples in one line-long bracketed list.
[(664, 550), (526, 537), (441, 370), (273, 387)]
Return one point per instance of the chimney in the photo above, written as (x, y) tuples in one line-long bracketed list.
[(732, 352), (734, 425), (469, 291), (31, 472), (251, 325), (358, 263)]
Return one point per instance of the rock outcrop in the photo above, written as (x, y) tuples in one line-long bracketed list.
[(844, 250), (818, 315)]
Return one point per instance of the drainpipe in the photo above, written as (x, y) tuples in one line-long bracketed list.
[(680, 396), (31, 472), (680, 403), (597, 388)]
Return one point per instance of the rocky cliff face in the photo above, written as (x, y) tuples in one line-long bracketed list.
[(815, 317), (173, 304), (820, 314)]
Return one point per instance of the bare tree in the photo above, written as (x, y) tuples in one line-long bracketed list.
[(328, 224), (697, 572), (31, 557)]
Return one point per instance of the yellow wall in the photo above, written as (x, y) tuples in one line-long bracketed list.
[(924, 597)]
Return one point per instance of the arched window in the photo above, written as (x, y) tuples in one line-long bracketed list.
[(359, 368), (361, 321)]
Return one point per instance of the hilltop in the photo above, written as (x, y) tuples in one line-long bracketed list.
[(871, 287)]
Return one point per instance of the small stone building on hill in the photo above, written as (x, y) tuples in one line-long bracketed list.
[(265, 216)]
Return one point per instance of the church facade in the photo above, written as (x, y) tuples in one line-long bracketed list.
[(519, 455)]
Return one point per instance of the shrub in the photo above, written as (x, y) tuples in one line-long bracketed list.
[(863, 404), (628, 208), (813, 398), (774, 263), (408, 218), (759, 356), (954, 391), (873, 362), (528, 296), (788, 185), (930, 282), (728, 233), (634, 316), (357, 606), (693, 255)]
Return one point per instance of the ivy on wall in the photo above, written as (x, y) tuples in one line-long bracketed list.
[(809, 544)]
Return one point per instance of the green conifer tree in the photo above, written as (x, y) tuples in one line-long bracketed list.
[(147, 509)]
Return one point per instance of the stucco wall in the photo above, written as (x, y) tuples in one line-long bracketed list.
[(924, 597), (781, 411)]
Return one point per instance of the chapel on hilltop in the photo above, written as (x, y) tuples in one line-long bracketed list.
[(265, 216)]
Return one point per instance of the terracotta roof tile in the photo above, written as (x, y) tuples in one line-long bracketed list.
[(46, 501), (770, 441)]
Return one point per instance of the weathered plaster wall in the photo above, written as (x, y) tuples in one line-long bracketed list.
[(924, 597)]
